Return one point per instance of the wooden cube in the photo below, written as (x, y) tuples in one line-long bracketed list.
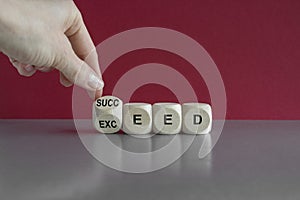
[(107, 114)]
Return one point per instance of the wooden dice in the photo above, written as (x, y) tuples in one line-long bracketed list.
[(197, 118), (110, 116), (167, 118), (137, 118), (107, 114)]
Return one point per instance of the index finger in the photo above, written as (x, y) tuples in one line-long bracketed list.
[(84, 47)]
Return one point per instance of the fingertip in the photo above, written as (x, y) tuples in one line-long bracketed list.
[(65, 84), (95, 94), (24, 70), (95, 82), (98, 94), (64, 81), (25, 74), (28, 68)]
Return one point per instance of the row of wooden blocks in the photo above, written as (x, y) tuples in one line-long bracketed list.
[(110, 116)]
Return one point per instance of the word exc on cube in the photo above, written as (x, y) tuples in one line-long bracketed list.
[(107, 114)]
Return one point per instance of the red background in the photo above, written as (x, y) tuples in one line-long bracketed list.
[(255, 44)]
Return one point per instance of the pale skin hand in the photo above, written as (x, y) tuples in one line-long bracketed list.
[(49, 34)]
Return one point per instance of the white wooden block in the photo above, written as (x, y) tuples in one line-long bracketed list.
[(107, 114), (137, 118), (167, 118), (197, 118)]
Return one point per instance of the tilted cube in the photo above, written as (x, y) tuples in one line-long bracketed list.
[(107, 114)]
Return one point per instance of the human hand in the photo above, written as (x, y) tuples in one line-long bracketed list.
[(42, 35)]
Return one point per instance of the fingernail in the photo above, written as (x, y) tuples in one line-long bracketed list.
[(28, 68), (95, 82)]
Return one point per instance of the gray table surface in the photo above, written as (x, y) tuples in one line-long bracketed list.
[(45, 160)]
